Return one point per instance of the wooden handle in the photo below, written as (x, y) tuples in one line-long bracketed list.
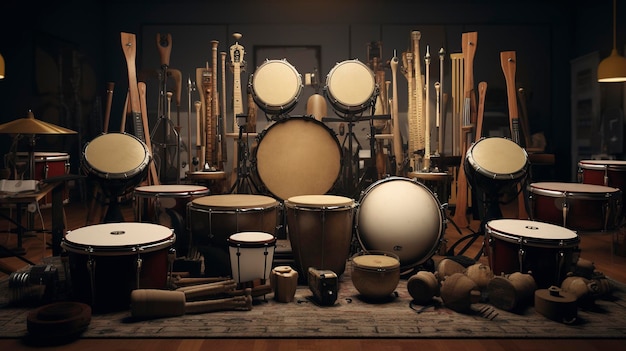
[(482, 92), (508, 62), (178, 81), (397, 144), (164, 45), (238, 303), (107, 107)]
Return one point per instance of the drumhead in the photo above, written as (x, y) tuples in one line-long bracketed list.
[(132, 237), (581, 189), (602, 164), (498, 158), (350, 86), (276, 86), (375, 262), (251, 239), (234, 201), (170, 189), (514, 230), (400, 216), (116, 155), (298, 156), (319, 201)]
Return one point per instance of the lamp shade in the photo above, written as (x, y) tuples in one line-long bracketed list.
[(612, 68)]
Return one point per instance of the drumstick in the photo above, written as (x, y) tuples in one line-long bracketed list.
[(155, 303)]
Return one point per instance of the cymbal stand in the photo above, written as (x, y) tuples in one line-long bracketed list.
[(244, 183)]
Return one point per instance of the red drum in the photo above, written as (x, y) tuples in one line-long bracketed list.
[(547, 251), (403, 217), (576, 206), (610, 173), (213, 219), (48, 165), (320, 231), (167, 205), (298, 156), (108, 261)]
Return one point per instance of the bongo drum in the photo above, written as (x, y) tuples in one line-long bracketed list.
[(298, 156), (400, 216), (49, 165), (611, 173), (320, 231), (251, 257), (108, 261), (167, 205), (275, 87), (118, 160), (576, 206), (350, 87), (547, 251), (213, 219), (375, 274)]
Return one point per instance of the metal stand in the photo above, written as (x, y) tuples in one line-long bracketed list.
[(244, 183)]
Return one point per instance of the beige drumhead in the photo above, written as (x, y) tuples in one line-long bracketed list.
[(100, 239), (350, 86), (376, 262), (118, 155), (276, 86), (602, 164), (251, 239), (497, 158), (319, 201), (234, 201), (560, 188), (298, 156), (528, 231), (170, 189)]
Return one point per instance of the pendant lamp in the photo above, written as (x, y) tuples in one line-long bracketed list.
[(613, 68)]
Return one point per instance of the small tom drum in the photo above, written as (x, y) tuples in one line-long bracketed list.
[(275, 87), (108, 261), (350, 87), (576, 206), (251, 257), (320, 231), (547, 251), (403, 217), (495, 163)]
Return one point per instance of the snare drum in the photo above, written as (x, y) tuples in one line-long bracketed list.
[(118, 160), (403, 217), (275, 87), (495, 163), (547, 251), (108, 261), (576, 206), (167, 205), (320, 231), (610, 173), (213, 219), (251, 257), (350, 87), (48, 165), (298, 156)]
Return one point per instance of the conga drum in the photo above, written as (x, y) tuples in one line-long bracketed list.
[(350, 87), (166, 204), (49, 165), (584, 207), (107, 261), (611, 173), (275, 87), (213, 219), (401, 216), (320, 231), (251, 257), (546, 251)]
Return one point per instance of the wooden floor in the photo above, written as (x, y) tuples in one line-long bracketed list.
[(596, 247)]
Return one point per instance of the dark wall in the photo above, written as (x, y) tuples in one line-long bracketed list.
[(85, 37)]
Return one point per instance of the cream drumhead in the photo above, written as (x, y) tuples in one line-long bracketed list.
[(350, 86), (116, 156), (276, 86)]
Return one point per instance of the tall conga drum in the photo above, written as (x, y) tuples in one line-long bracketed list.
[(320, 231)]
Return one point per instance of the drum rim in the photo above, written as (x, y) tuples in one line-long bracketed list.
[(144, 191), (442, 224), (268, 204), (597, 165), (345, 202), (43, 156), (269, 242), (392, 266), (536, 189), (339, 105), (512, 238), (270, 108)]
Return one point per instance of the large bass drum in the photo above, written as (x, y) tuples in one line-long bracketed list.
[(298, 156), (401, 216), (350, 87), (275, 87)]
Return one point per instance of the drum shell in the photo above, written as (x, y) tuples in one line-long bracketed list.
[(548, 260), (115, 271), (48, 165), (320, 236), (251, 257), (495, 163), (611, 173), (400, 216), (589, 207), (297, 156), (211, 226)]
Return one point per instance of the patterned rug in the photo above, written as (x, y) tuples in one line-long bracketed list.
[(350, 317)]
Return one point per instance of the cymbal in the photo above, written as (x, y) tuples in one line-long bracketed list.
[(30, 125)]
